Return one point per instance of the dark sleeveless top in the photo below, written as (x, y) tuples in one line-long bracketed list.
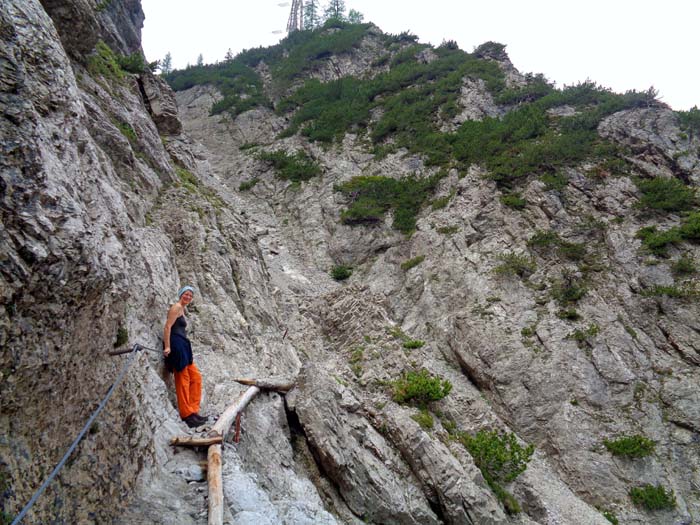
[(179, 326), (180, 348)]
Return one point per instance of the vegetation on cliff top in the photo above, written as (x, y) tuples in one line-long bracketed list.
[(410, 102)]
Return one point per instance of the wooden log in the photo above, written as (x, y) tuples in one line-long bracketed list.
[(214, 459), (216, 486), (189, 441), (223, 424), (278, 384)]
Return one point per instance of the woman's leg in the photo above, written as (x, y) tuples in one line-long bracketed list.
[(195, 390), (182, 389)]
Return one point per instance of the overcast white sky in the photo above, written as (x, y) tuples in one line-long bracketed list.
[(621, 44)]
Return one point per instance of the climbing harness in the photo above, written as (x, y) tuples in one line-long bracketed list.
[(133, 350)]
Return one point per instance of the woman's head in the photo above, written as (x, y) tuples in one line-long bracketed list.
[(185, 294)]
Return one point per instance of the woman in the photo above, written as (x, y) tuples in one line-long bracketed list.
[(178, 358)]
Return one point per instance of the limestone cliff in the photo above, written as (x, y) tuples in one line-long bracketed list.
[(540, 298)]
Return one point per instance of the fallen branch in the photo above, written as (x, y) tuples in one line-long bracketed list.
[(278, 384), (189, 441)]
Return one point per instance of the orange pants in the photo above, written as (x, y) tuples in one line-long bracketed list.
[(188, 387)]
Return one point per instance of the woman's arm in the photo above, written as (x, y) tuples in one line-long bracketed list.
[(174, 312)]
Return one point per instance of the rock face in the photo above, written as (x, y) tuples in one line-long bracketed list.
[(371, 477), (110, 200), (161, 104), (659, 147)]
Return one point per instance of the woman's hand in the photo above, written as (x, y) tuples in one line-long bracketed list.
[(166, 351)]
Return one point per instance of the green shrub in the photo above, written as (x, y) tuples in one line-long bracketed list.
[(582, 336), (380, 61), (356, 357), (448, 230), (514, 264), (543, 239), (397, 333), (528, 331), (111, 66), (684, 265), (690, 227), (340, 272), (442, 202), (134, 63), (103, 62), (490, 49), (513, 200), (572, 251), (248, 184), (506, 498), (690, 121), (631, 331), (424, 419), (630, 446), (420, 388), (656, 241), (404, 36), (555, 181), (653, 497), (570, 314), (296, 167), (568, 290), (373, 196), (535, 89), (187, 179), (413, 343), (591, 226), (127, 131), (610, 516), (565, 249), (669, 291), (122, 337), (411, 263), (500, 458), (666, 194)]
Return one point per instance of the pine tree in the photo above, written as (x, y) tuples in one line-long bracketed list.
[(166, 65), (200, 60), (229, 55), (312, 17), (335, 9), (355, 17)]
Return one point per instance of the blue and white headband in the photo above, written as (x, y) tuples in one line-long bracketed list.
[(183, 290)]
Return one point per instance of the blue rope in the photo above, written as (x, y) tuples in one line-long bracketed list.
[(87, 426)]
